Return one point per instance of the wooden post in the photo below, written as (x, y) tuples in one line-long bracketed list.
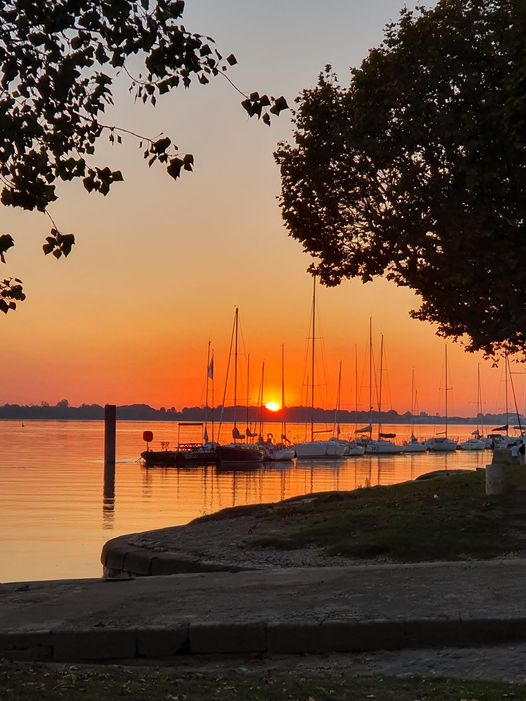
[(110, 423)]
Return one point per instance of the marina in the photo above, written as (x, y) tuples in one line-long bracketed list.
[(54, 517)]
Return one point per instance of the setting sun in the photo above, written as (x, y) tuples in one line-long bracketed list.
[(272, 406)]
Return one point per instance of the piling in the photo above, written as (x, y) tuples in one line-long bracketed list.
[(110, 423)]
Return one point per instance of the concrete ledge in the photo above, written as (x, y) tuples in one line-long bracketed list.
[(71, 646), (257, 637), (212, 638), (159, 643), (118, 558)]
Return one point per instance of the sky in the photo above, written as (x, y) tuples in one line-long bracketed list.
[(160, 265)]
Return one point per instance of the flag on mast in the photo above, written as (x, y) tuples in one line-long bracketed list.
[(211, 368)]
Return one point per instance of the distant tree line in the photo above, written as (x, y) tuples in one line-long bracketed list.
[(62, 411)]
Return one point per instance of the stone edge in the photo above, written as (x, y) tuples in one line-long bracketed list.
[(120, 558), (257, 637)]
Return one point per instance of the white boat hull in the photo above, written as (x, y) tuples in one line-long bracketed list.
[(441, 445), (382, 448), (276, 454), (473, 444), (414, 448), (320, 449)]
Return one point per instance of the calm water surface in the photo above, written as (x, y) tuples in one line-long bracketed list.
[(54, 519)]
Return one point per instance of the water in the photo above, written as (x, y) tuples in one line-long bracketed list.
[(54, 519)]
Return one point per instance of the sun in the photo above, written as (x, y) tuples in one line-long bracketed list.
[(272, 406)]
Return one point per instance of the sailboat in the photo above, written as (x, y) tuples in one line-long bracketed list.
[(442, 444), (278, 452), (352, 448), (235, 452), (476, 442), (316, 448), (381, 446), (413, 445)]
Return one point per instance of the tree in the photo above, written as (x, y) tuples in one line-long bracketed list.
[(58, 62), (416, 170)]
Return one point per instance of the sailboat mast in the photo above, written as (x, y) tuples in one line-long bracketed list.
[(206, 389), (236, 322), (412, 401), (338, 401), (370, 377), (248, 391), (380, 387), (480, 427), (313, 355), (506, 367), (283, 421), (213, 399), (262, 399), (446, 391)]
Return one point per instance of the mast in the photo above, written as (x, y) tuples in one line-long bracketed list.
[(506, 366), (479, 403), (261, 402), (206, 391), (213, 398), (370, 377), (356, 380), (445, 392), (313, 355), (380, 387), (248, 395), (338, 400), (283, 420), (236, 323), (412, 402)]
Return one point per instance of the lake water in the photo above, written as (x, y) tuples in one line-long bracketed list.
[(54, 519)]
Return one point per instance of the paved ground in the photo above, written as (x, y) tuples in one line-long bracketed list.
[(340, 609)]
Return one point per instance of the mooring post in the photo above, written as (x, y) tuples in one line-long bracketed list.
[(110, 423)]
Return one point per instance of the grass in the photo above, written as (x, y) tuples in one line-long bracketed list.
[(438, 519), (39, 682)]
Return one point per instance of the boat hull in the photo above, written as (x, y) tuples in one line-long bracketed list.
[(170, 458), (319, 450), (381, 448), (414, 448), (238, 454), (441, 445)]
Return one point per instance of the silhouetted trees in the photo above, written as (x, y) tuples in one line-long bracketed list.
[(417, 170), (58, 64)]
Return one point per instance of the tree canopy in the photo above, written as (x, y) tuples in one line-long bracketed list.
[(416, 170), (58, 63)]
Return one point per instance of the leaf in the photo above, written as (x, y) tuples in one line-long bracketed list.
[(6, 242), (231, 60), (174, 167)]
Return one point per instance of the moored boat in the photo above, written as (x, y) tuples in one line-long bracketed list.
[(239, 453), (441, 444)]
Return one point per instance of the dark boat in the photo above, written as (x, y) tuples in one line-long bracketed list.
[(239, 454), (188, 454)]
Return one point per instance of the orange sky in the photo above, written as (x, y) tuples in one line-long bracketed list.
[(159, 266)]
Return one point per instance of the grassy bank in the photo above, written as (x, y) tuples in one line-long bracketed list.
[(31, 682), (438, 519)]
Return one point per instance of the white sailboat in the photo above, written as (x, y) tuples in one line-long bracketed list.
[(476, 442), (441, 443), (352, 448), (316, 449), (413, 445), (381, 446), (277, 452)]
